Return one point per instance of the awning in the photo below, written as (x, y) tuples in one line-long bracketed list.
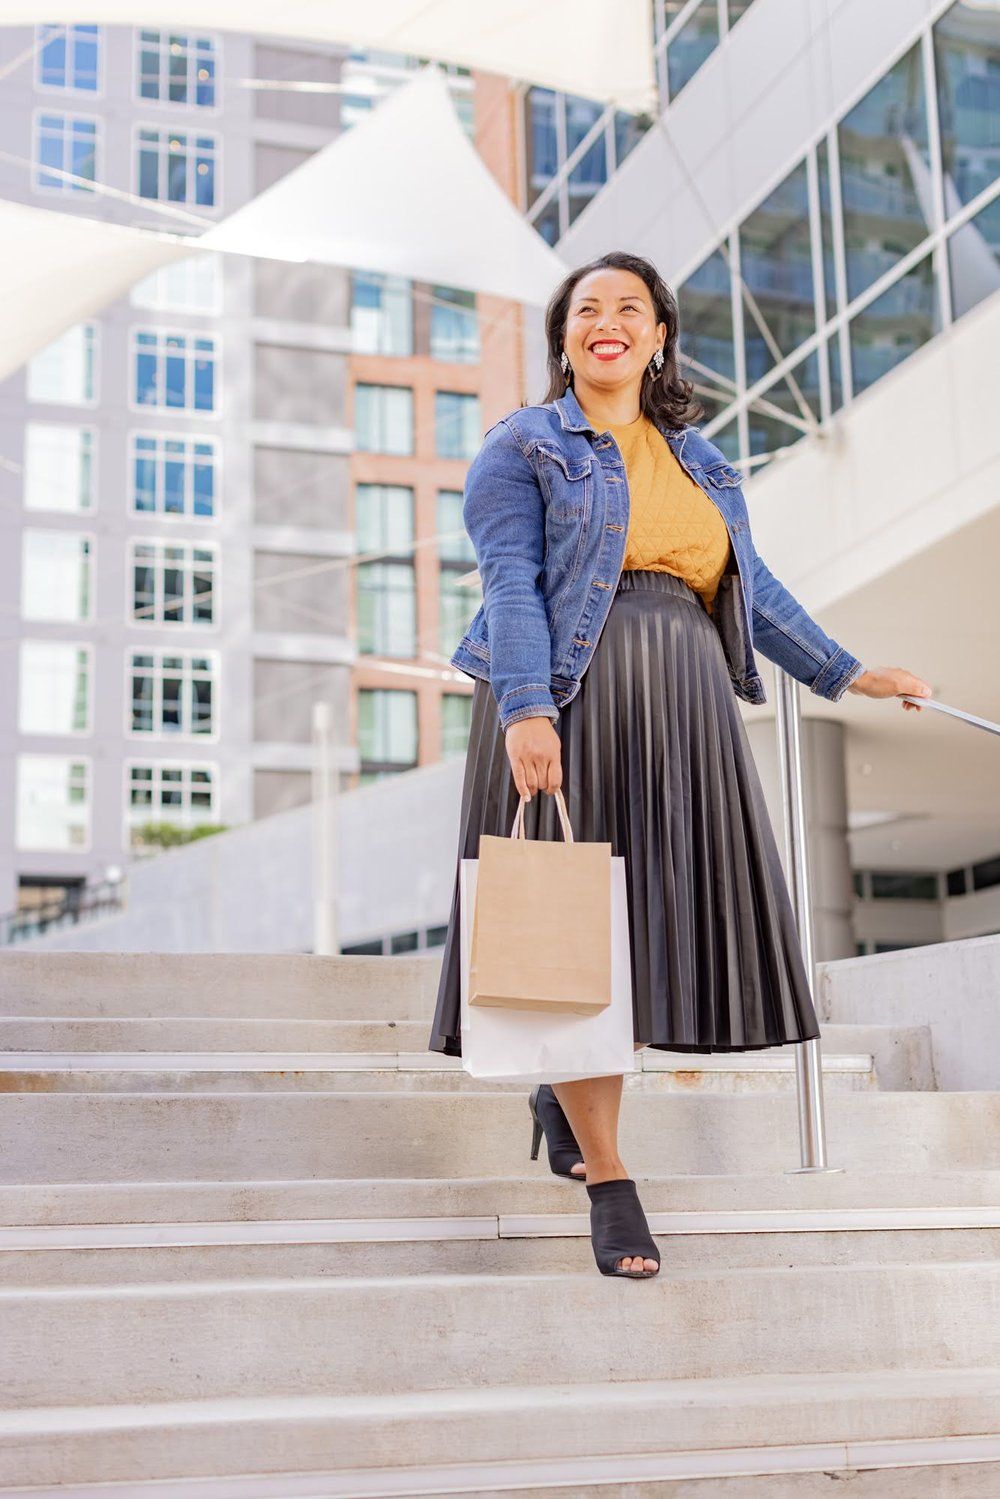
[(359, 202), (57, 269), (600, 49)]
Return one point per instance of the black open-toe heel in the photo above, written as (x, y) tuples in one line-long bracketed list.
[(548, 1118), (618, 1228)]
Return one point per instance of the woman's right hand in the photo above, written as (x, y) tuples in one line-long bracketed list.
[(534, 750)]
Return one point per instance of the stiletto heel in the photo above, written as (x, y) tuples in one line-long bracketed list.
[(536, 1133), (618, 1228), (548, 1118)]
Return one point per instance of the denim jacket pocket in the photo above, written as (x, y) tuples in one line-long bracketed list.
[(566, 482), (724, 476)]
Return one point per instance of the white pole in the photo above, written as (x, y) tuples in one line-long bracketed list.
[(326, 815)]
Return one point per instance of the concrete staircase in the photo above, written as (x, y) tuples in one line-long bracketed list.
[(257, 1241)]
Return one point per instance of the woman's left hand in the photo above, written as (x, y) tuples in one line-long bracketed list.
[(890, 681)]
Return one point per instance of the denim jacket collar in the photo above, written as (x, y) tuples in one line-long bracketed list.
[(572, 419)]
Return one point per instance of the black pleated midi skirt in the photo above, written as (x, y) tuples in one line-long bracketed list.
[(656, 762)]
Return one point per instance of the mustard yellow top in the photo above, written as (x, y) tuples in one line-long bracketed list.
[(673, 525)]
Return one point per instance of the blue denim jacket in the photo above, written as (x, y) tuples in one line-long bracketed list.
[(547, 508)]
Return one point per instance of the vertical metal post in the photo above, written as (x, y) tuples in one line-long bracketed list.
[(808, 1062), (325, 789)]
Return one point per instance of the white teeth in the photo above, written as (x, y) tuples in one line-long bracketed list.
[(607, 348)]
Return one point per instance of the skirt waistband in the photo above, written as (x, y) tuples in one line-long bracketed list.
[(652, 580)]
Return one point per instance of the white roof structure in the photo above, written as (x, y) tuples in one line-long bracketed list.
[(59, 268), (600, 49), (360, 202)]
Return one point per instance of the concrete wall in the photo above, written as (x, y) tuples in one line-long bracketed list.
[(953, 987), (250, 890)]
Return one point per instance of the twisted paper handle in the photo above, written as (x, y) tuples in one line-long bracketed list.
[(517, 830)]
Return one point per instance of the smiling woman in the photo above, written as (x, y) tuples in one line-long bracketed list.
[(622, 598)]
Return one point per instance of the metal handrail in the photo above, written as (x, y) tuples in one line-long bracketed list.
[(66, 910)]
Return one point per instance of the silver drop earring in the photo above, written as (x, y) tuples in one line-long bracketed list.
[(564, 362), (657, 361)]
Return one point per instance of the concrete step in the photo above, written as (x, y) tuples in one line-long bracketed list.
[(255, 1072), (795, 1431), (265, 986), (776, 1202), (379, 1336), (65, 1137), (902, 1053), (143, 1254)]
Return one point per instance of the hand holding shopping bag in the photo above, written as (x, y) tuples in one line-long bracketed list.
[(546, 967)]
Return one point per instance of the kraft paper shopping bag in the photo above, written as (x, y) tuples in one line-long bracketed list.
[(537, 1046), (541, 934)]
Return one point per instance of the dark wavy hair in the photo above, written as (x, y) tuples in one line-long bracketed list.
[(666, 398)]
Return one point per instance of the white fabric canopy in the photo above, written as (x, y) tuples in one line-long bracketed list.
[(431, 211), (601, 49), (57, 269)]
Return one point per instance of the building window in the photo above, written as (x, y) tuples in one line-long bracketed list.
[(193, 285), (176, 167), (172, 694), (56, 576), (456, 720), (903, 886), (542, 141), (691, 45), (387, 595), (173, 583), (55, 691), (174, 371), (68, 58), (53, 803), (178, 69), (776, 264), (383, 419), (967, 65), (65, 144), (387, 731), (456, 557), (707, 321), (64, 372), (456, 424), (454, 325), (590, 173), (174, 476), (883, 142), (167, 791), (381, 314), (892, 327), (58, 467)]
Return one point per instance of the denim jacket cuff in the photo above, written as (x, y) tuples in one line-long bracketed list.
[(837, 675), (533, 700)]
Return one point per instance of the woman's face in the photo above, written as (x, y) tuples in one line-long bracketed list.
[(611, 329)]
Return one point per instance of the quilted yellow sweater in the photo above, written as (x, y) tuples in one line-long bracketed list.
[(673, 525)]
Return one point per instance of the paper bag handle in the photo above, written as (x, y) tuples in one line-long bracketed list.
[(517, 830)]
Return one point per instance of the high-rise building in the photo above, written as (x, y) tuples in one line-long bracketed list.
[(238, 490)]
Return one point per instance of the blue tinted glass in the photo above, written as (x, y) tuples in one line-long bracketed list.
[(149, 186), (173, 486), (204, 384), (205, 182), (204, 487), (205, 86), (145, 478), (50, 153), (145, 379), (53, 58), (176, 366), (83, 162), (85, 61), (177, 165)]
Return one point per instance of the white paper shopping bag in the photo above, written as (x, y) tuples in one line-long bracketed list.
[(530, 1046)]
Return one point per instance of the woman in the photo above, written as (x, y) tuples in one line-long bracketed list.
[(622, 600)]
